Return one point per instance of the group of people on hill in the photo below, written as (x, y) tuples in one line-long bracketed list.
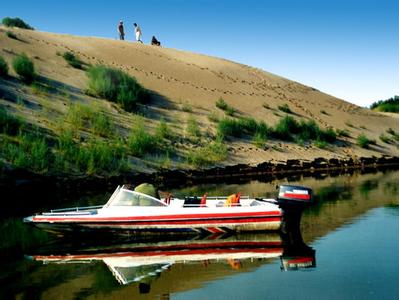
[(137, 32)]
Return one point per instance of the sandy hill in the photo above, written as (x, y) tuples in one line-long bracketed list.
[(187, 84)]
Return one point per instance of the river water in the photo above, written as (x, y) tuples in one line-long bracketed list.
[(347, 248)]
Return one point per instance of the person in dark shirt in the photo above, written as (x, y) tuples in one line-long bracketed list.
[(155, 42), (121, 31)]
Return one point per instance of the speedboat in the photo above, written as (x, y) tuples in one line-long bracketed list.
[(134, 213)]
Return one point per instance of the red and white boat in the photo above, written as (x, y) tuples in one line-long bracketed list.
[(131, 212)]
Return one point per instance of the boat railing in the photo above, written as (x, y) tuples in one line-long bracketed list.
[(217, 201), (78, 208)]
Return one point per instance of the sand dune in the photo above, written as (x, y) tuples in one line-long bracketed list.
[(183, 78)]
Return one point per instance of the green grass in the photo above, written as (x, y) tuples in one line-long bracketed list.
[(72, 60), (285, 127), (193, 131), (24, 67), (259, 140), (213, 117), (364, 142), (140, 142), (116, 86), (186, 107), (239, 127), (9, 124), (3, 67), (85, 117), (163, 130), (221, 104), (27, 151), (16, 22), (91, 157), (209, 154)]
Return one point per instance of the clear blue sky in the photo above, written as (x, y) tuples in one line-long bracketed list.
[(349, 49)]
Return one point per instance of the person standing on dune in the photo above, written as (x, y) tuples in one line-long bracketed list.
[(137, 31), (121, 31)]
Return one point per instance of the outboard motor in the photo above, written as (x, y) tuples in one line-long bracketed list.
[(294, 196), (292, 200)]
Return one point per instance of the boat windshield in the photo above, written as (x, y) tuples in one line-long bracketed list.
[(131, 198)]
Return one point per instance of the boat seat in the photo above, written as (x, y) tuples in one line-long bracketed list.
[(191, 202)]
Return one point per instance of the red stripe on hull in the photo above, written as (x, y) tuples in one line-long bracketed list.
[(199, 223), (169, 218)]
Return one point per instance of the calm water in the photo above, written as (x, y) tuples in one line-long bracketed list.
[(347, 249)]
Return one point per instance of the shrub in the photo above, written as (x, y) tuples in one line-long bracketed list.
[(259, 140), (192, 129), (8, 123), (221, 104), (186, 107), (328, 135), (140, 142), (285, 108), (285, 128), (207, 155), (238, 127), (16, 22), (3, 67), (24, 67), (163, 131), (343, 132), (363, 141), (213, 117), (117, 86), (229, 127), (72, 60), (385, 139), (29, 152), (11, 35)]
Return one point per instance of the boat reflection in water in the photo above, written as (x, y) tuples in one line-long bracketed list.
[(143, 261)]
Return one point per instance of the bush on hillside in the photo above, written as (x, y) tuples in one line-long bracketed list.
[(364, 142), (16, 22), (72, 60), (24, 67), (11, 35), (116, 86), (3, 67)]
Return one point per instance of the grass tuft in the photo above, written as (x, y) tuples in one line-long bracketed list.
[(116, 86), (24, 67)]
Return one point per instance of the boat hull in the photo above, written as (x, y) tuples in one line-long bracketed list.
[(132, 226)]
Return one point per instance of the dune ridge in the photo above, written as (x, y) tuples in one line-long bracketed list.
[(179, 78)]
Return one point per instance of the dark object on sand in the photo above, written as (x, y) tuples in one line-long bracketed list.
[(155, 42)]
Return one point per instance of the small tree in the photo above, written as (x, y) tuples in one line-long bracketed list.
[(16, 22), (3, 67), (24, 67)]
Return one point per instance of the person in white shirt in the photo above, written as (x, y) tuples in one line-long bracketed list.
[(137, 31)]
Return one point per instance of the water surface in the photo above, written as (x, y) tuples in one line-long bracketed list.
[(347, 250)]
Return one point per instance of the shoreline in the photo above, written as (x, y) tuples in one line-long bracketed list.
[(16, 178), (27, 192)]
